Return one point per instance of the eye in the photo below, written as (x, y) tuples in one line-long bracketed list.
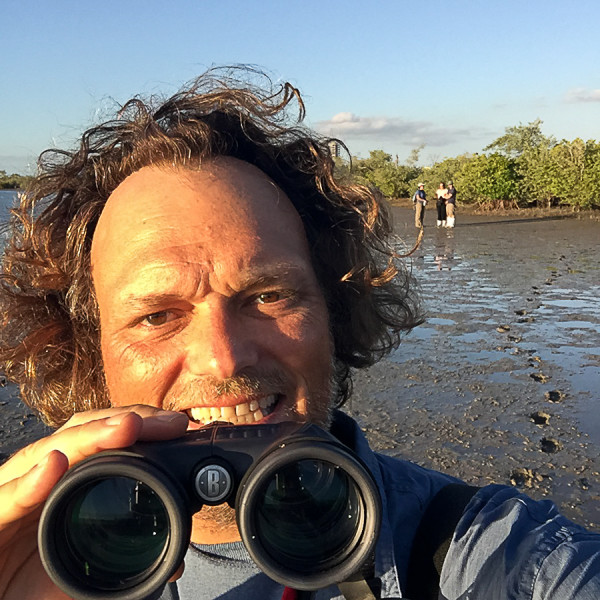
[(158, 318), (268, 297)]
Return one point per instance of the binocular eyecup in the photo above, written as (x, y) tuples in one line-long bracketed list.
[(118, 524)]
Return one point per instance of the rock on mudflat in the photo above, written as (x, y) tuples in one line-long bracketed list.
[(539, 377), (521, 477), (551, 446), (554, 396), (540, 417)]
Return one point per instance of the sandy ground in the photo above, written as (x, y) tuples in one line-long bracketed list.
[(502, 382)]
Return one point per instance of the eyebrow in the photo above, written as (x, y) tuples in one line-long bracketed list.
[(150, 301), (155, 300)]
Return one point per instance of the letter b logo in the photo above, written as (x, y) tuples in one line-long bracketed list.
[(213, 483)]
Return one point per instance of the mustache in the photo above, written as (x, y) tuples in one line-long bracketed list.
[(203, 391)]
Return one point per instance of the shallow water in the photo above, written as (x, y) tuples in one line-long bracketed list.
[(513, 319), (7, 198), (479, 275)]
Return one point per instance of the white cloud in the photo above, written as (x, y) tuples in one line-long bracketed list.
[(578, 95), (345, 117), (348, 126)]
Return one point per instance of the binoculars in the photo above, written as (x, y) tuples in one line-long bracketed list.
[(118, 524)]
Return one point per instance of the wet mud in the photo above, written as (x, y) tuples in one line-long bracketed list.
[(502, 382), (19, 426)]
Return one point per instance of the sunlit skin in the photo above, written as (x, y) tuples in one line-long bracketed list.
[(203, 276)]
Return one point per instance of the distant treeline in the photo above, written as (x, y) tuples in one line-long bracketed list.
[(14, 181), (523, 168)]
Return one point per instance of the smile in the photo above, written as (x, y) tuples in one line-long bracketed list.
[(245, 413)]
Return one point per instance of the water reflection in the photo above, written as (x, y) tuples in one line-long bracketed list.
[(443, 247), (8, 199), (436, 251)]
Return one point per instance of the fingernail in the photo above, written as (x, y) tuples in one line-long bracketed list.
[(116, 420)]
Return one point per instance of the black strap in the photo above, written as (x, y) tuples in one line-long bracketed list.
[(433, 540)]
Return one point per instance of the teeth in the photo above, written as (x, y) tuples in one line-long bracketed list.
[(228, 411), (242, 409), (240, 414)]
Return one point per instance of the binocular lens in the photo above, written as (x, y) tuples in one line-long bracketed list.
[(115, 530), (310, 514)]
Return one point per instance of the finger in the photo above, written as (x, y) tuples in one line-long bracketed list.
[(21, 496), (178, 574), (125, 428), (119, 428), (80, 418), (164, 425), (81, 441), (158, 424), (76, 443)]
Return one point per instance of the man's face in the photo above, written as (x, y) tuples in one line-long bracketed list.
[(208, 300)]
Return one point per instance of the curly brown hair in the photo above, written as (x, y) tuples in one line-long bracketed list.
[(49, 342)]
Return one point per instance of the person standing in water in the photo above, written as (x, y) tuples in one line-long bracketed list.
[(440, 204), (420, 201), (450, 205)]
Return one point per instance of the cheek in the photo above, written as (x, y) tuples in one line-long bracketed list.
[(137, 375), (308, 343)]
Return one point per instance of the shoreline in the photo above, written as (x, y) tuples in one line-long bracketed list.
[(537, 213)]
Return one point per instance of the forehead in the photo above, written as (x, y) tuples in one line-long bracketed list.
[(158, 206)]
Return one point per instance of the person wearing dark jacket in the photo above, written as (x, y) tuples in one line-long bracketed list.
[(451, 205), (420, 201)]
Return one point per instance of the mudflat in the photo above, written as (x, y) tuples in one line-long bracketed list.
[(501, 384)]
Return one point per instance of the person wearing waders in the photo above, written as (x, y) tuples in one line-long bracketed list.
[(440, 204), (450, 205), (420, 201)]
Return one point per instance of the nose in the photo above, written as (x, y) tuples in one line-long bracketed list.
[(220, 341)]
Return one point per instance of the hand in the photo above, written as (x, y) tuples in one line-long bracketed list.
[(29, 476)]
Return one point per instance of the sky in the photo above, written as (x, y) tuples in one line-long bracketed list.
[(450, 75)]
